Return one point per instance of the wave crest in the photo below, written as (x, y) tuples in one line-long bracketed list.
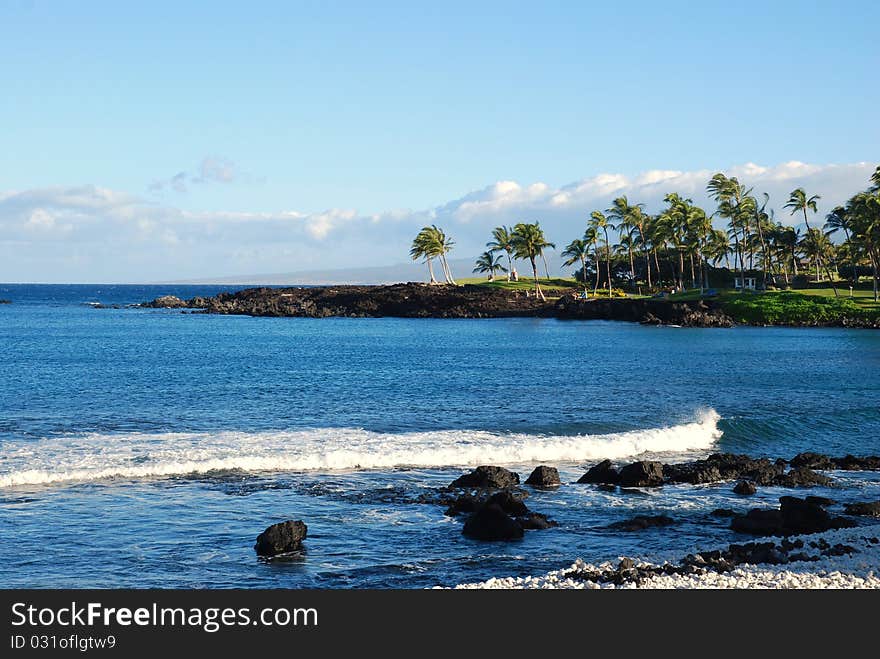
[(135, 456)]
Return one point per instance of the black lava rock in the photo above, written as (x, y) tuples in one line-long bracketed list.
[(491, 523), (282, 538), (487, 477), (641, 474), (745, 488), (601, 473), (544, 476)]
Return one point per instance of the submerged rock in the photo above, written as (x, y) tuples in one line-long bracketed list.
[(536, 522), (868, 509), (544, 476), (490, 522), (282, 538), (794, 516), (487, 477), (640, 522)]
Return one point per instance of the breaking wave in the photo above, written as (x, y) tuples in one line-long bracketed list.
[(134, 456)]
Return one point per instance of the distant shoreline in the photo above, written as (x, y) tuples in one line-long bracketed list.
[(415, 300)]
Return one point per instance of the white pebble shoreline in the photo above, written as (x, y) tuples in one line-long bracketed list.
[(857, 570)]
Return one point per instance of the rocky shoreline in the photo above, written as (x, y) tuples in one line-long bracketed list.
[(793, 540), (424, 301)]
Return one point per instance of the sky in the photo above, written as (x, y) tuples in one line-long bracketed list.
[(155, 141)]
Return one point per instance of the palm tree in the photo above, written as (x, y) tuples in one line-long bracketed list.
[(423, 247), (528, 243), (599, 221), (799, 201), (502, 241), (838, 219), (430, 243), (578, 250), (817, 247), (731, 196), (875, 180), (488, 262), (591, 237), (627, 217)]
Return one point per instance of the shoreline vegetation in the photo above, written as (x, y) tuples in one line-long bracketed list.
[(662, 269)]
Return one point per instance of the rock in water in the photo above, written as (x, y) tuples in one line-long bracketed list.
[(491, 523), (641, 474), (601, 473), (281, 538), (544, 477), (508, 502), (746, 488), (641, 522), (487, 477), (869, 509), (794, 516), (166, 302)]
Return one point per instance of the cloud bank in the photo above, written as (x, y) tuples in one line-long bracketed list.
[(93, 234)]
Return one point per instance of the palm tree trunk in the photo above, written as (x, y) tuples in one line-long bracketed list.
[(509, 265), (632, 265), (431, 271), (596, 258), (648, 266), (584, 272), (546, 269), (608, 261), (538, 291)]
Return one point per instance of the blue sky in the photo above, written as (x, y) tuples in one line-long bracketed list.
[(292, 110)]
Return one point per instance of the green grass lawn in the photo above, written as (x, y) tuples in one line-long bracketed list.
[(552, 287)]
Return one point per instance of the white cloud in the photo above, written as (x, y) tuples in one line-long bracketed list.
[(80, 229)]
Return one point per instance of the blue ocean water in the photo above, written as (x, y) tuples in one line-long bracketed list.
[(148, 448)]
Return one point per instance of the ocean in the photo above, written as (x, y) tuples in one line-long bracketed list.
[(149, 447)]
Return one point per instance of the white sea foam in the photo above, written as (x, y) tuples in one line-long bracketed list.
[(134, 456), (857, 570)]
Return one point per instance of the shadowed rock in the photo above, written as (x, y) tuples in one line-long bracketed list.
[(641, 522), (601, 473), (868, 509), (745, 488), (490, 522), (794, 516), (641, 474)]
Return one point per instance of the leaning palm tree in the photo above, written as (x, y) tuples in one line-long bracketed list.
[(875, 180), (798, 201), (423, 247), (487, 262), (502, 241), (578, 250), (528, 244), (599, 221), (433, 243)]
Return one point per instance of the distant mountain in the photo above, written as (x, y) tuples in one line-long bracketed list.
[(383, 274)]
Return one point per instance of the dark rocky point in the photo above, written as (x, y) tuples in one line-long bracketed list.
[(508, 502), (166, 302), (544, 477), (282, 538), (535, 522)]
